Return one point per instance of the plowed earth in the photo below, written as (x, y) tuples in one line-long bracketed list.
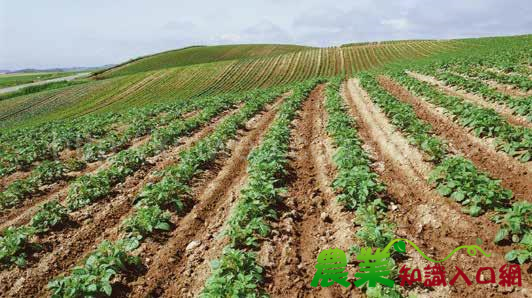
[(177, 263)]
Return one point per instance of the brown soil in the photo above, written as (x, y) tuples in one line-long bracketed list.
[(23, 213), (434, 223), (515, 175), (57, 190), (505, 112), (92, 225), (301, 233), (174, 271), (508, 89), (8, 179)]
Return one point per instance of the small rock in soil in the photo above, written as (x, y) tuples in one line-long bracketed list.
[(192, 245)]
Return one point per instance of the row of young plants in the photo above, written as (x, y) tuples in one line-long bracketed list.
[(356, 186), (519, 106), (515, 141), (142, 123), (457, 178), (89, 188), (45, 173), (22, 147), (152, 208), (96, 135), (471, 70), (237, 272)]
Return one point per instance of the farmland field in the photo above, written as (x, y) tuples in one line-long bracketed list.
[(224, 171), (8, 80)]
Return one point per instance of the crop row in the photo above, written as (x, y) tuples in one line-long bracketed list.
[(520, 81), (519, 106), (515, 141), (356, 185), (151, 209), (237, 273), (454, 176)]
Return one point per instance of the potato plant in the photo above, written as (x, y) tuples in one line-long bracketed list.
[(356, 185), (232, 277), (516, 225), (515, 141), (94, 278)]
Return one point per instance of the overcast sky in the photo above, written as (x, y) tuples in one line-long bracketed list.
[(53, 33)]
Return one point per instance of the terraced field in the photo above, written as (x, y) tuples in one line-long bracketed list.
[(234, 190)]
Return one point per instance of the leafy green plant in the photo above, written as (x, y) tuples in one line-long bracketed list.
[(516, 224), (15, 245), (49, 215), (235, 274), (146, 220), (86, 189), (457, 178), (95, 276), (374, 229)]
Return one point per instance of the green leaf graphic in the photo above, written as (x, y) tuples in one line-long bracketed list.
[(400, 246)]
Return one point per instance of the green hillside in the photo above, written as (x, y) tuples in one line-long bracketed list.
[(212, 70), (198, 55)]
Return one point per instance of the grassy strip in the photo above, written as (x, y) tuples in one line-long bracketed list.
[(39, 88)]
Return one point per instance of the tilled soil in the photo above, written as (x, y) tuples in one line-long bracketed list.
[(174, 270), (310, 220), (504, 111), (515, 175), (22, 214), (432, 222), (90, 225)]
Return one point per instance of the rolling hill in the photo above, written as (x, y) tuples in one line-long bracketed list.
[(209, 70)]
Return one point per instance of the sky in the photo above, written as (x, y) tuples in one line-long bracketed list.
[(65, 33)]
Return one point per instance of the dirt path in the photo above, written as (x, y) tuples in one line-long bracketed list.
[(175, 271), (504, 111), (311, 220), (68, 78), (508, 89), (93, 224), (515, 175), (434, 223)]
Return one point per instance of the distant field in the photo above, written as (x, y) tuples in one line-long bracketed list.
[(8, 80), (197, 55), (185, 73)]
